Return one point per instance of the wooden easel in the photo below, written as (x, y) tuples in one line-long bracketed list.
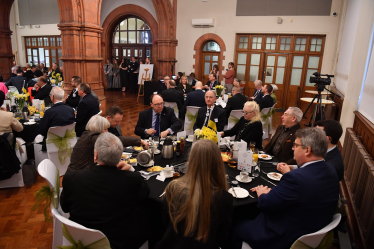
[(142, 82)]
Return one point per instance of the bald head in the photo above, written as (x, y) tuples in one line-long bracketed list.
[(210, 98), (199, 85)]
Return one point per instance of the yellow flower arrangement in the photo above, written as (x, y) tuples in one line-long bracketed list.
[(207, 133), (219, 90), (21, 98)]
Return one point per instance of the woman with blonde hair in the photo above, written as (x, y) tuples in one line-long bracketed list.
[(184, 87), (249, 127), (198, 206)]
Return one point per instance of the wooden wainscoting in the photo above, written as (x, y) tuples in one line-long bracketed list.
[(365, 130)]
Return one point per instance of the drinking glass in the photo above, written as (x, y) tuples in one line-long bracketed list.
[(256, 170), (252, 145), (255, 155)]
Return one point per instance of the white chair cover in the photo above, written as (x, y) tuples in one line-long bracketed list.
[(314, 239), (38, 153), (52, 149), (17, 179), (6, 102), (189, 121), (13, 89), (234, 117), (246, 246), (174, 106), (266, 124)]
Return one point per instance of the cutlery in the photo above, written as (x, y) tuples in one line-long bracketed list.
[(264, 172), (162, 194), (233, 190), (268, 181)]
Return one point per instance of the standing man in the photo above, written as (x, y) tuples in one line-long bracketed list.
[(236, 102), (73, 98), (134, 65), (87, 107), (17, 81), (43, 92), (229, 77), (195, 98), (266, 100), (212, 82), (258, 90), (172, 95), (157, 121), (210, 112)]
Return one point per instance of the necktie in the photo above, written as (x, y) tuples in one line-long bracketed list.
[(157, 125), (211, 83), (207, 118)]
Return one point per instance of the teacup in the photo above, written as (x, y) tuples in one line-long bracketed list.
[(168, 171), (244, 176), (190, 137)]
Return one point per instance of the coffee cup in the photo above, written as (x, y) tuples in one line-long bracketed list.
[(190, 137), (244, 176), (168, 171)]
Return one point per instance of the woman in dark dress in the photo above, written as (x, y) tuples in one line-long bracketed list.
[(198, 207), (184, 87), (124, 74), (249, 127)]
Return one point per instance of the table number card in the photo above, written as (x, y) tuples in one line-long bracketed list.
[(240, 146), (245, 161)]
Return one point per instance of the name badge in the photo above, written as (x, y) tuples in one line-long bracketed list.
[(207, 114), (216, 120)]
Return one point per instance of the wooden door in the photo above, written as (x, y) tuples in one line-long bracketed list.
[(275, 73), (296, 76), (209, 60)]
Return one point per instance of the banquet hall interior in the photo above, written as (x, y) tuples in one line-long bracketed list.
[(281, 42)]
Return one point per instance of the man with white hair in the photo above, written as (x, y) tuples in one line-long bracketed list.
[(258, 90), (281, 143), (106, 198), (59, 114)]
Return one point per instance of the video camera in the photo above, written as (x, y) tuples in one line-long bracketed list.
[(321, 81)]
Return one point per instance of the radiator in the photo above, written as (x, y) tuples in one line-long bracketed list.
[(359, 179)]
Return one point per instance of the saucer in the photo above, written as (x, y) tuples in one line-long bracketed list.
[(270, 175), (268, 157), (157, 152), (238, 178), (240, 192), (189, 140)]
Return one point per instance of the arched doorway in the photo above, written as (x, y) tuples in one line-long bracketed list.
[(211, 56), (131, 37)]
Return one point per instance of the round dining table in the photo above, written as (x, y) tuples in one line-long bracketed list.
[(29, 132)]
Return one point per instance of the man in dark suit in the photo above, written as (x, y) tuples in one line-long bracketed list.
[(210, 112), (106, 198), (258, 90), (87, 107), (164, 87), (211, 84), (303, 202), (134, 67), (74, 98), (195, 98), (43, 92), (281, 143), (236, 102), (58, 115), (55, 70), (17, 81), (266, 100), (30, 73), (32, 82), (172, 95), (157, 121)]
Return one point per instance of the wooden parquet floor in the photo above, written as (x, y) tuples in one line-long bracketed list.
[(22, 228)]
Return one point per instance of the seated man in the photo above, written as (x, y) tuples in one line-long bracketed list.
[(157, 121), (195, 98), (114, 116), (32, 82), (87, 107), (281, 143), (172, 95), (59, 114), (333, 157), (164, 87), (17, 81), (236, 102), (266, 100), (210, 112), (303, 202), (8, 121), (106, 198), (74, 98), (211, 84), (30, 73), (258, 90), (43, 92)]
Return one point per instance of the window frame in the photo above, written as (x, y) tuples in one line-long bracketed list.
[(50, 46)]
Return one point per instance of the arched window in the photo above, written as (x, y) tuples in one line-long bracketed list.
[(132, 37), (211, 46)]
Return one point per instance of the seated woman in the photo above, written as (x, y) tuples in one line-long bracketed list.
[(184, 87), (275, 88), (83, 152), (198, 206), (236, 82), (249, 127)]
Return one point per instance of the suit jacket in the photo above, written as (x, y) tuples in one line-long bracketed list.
[(303, 202), (334, 157), (214, 84), (162, 88), (252, 132), (29, 75), (109, 200), (73, 99), (43, 93), (236, 102), (285, 154), (265, 102), (218, 116), (9, 122), (172, 95), (87, 107), (258, 94), (196, 98), (168, 120), (16, 81), (59, 114), (108, 68)]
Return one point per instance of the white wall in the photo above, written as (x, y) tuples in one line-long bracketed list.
[(108, 6), (227, 24)]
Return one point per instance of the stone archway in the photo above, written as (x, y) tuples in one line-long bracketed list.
[(199, 45)]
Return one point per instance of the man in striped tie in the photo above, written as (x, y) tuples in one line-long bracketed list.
[(258, 93), (73, 98)]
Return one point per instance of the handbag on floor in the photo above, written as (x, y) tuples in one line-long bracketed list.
[(29, 172)]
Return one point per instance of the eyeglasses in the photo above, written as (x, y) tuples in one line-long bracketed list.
[(246, 113), (295, 145), (158, 104)]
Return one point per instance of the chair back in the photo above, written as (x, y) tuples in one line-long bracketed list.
[(78, 232), (174, 106), (48, 171), (266, 120), (13, 89), (190, 119), (245, 246), (60, 156), (314, 239), (6, 101), (37, 103), (234, 117)]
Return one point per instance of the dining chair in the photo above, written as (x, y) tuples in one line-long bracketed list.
[(245, 246), (266, 121), (234, 117), (190, 119), (174, 106)]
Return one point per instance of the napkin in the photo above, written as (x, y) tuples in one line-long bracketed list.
[(160, 178)]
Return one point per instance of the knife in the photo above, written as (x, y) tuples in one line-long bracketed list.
[(268, 181), (233, 190)]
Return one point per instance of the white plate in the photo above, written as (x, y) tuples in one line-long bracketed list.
[(157, 152), (266, 158), (274, 178), (239, 178), (240, 192), (189, 140), (29, 123), (162, 142)]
